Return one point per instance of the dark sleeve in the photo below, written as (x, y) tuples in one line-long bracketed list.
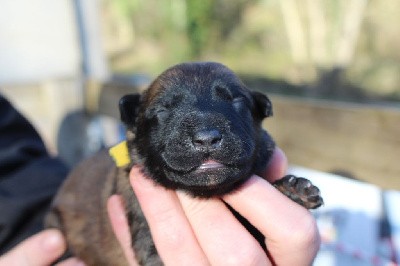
[(29, 177)]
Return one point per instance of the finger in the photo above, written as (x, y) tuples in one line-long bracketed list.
[(39, 250), (119, 223), (288, 227), (71, 262), (224, 240), (277, 166), (171, 231)]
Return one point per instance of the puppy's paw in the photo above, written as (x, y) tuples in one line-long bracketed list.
[(300, 190)]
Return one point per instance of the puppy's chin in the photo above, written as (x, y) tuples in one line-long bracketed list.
[(210, 181)]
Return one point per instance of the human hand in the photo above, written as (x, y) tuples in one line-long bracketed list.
[(203, 231), (41, 249)]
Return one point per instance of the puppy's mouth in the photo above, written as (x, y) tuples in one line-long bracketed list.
[(210, 177), (209, 165)]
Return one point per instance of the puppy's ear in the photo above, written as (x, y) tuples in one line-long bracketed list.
[(128, 108), (262, 103)]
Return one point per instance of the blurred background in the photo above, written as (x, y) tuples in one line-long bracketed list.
[(331, 68)]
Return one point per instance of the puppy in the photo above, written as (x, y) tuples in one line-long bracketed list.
[(197, 128)]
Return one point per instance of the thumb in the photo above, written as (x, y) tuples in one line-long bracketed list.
[(39, 250)]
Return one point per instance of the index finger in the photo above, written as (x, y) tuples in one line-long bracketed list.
[(169, 227)]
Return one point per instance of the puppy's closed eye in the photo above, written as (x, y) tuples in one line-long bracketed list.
[(239, 103), (162, 113), (222, 92), (159, 112)]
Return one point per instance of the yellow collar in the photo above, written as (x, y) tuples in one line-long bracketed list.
[(120, 154)]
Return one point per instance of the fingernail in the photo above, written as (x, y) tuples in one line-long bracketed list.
[(52, 240), (117, 204), (71, 261), (134, 171), (277, 166), (77, 262), (138, 179)]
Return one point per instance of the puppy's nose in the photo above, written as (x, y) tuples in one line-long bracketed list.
[(207, 139)]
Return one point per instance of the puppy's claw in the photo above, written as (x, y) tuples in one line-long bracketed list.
[(300, 190)]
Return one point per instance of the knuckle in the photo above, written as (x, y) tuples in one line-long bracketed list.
[(166, 226), (170, 236), (246, 256), (304, 233), (195, 207)]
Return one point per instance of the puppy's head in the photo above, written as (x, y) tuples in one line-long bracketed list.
[(198, 128)]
